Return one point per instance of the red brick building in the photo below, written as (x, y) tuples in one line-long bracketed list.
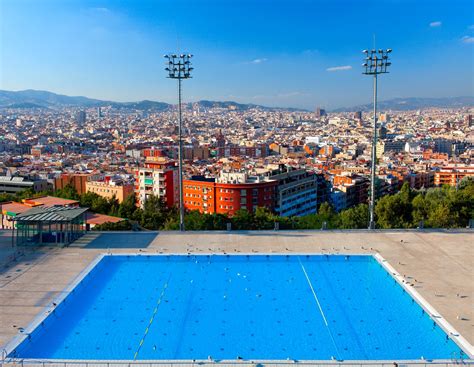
[(76, 180), (229, 193)]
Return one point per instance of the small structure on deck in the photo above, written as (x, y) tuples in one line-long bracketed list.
[(49, 225)]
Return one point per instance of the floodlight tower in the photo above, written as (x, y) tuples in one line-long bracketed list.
[(179, 67), (376, 62)]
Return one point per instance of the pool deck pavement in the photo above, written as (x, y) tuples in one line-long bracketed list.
[(439, 264)]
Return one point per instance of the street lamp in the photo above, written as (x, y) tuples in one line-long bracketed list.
[(376, 62), (179, 67)]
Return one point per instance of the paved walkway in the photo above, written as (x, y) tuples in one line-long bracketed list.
[(441, 264)]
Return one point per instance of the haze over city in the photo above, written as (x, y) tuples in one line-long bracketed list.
[(276, 53)]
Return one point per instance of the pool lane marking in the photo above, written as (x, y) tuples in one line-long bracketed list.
[(314, 293), (320, 308), (155, 310)]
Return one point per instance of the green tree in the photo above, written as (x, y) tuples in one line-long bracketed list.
[(311, 221), (128, 207), (87, 198), (114, 205), (124, 225), (421, 209), (171, 224), (326, 215), (243, 220), (395, 211), (356, 217), (264, 218), (440, 217), (100, 205), (195, 221), (389, 211), (155, 213), (4, 197), (67, 192), (154, 204)]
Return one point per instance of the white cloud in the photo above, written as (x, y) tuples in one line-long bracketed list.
[(436, 24), (467, 39), (339, 68), (258, 61), (103, 10), (310, 52)]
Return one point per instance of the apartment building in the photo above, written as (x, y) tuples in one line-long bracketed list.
[(256, 151), (76, 180), (354, 186), (228, 193), (14, 184), (296, 192), (159, 177), (111, 187), (452, 175)]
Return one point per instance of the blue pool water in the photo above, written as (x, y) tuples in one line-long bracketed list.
[(254, 307)]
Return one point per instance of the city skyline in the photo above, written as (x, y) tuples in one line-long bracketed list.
[(245, 52)]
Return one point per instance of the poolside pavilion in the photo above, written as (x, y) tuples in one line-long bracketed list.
[(57, 225)]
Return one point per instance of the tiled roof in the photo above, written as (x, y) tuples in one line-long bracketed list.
[(12, 207), (50, 201), (95, 218)]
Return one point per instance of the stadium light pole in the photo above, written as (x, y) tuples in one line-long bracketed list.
[(179, 67), (376, 62)]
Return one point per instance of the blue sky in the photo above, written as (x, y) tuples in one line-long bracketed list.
[(283, 53)]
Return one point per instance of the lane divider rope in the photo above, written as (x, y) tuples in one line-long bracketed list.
[(155, 310)]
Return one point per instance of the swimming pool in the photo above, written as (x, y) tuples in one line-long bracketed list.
[(259, 307)]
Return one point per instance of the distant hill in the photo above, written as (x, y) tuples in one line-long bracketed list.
[(44, 99), (25, 105), (413, 103), (239, 106), (141, 105)]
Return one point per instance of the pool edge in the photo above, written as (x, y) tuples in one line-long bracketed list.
[(15, 342), (10, 346), (427, 307)]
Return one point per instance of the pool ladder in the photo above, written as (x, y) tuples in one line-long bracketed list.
[(455, 359)]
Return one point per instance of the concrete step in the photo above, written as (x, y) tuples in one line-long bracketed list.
[(84, 240)]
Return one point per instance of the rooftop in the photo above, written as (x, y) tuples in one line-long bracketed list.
[(95, 218), (52, 214), (50, 201), (11, 207)]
